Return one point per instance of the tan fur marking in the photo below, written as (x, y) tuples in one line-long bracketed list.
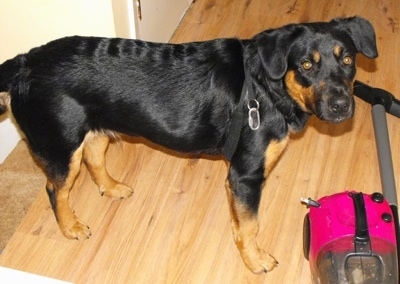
[(317, 56), (337, 50), (273, 153), (299, 93), (95, 147), (245, 229), (69, 224)]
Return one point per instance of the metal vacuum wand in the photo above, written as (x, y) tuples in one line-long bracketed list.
[(382, 102)]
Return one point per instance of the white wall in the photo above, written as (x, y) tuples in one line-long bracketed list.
[(28, 23), (160, 18)]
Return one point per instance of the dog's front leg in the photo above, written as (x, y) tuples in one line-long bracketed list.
[(244, 187), (243, 205)]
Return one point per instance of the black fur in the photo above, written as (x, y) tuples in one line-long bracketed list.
[(182, 96)]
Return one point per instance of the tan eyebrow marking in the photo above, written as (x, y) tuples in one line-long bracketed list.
[(337, 50), (316, 56)]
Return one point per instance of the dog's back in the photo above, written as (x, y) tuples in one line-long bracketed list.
[(153, 86)]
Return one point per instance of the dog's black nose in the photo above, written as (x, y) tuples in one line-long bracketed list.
[(339, 104)]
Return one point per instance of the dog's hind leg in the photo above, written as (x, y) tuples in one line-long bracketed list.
[(58, 189), (95, 146)]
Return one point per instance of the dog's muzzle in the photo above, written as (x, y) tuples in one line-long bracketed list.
[(339, 108)]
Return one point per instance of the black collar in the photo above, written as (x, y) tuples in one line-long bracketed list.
[(235, 128)]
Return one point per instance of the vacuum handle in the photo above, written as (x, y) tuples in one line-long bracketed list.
[(362, 233), (377, 96)]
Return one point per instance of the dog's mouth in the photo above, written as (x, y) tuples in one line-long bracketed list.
[(339, 119)]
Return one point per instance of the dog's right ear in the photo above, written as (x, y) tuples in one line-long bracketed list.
[(274, 47), (361, 33)]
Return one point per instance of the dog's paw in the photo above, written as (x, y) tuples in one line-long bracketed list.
[(260, 262), (119, 191), (75, 229)]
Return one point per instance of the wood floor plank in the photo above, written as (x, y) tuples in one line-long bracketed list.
[(176, 228)]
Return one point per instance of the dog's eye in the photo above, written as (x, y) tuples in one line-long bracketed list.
[(307, 65), (347, 60)]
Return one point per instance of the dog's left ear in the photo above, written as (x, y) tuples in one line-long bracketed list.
[(362, 34)]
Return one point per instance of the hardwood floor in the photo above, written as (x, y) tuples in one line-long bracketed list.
[(176, 228)]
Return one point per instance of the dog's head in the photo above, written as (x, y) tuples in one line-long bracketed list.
[(316, 62)]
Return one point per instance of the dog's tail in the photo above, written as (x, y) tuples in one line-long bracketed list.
[(4, 102), (8, 70)]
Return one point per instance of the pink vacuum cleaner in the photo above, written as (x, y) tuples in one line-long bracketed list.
[(353, 237)]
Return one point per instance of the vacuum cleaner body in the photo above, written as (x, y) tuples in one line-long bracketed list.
[(350, 237)]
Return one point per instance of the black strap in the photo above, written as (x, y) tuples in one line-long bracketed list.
[(362, 233), (235, 128)]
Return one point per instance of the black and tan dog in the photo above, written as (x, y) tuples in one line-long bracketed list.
[(70, 95)]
